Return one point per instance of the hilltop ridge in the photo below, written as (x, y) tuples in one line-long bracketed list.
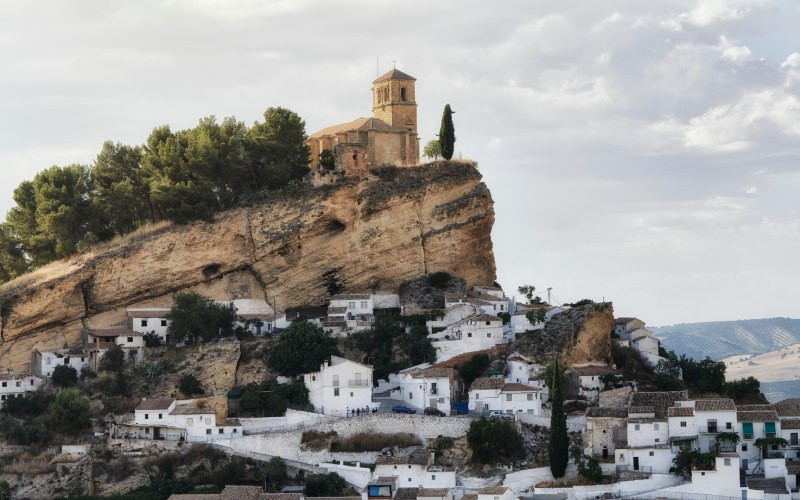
[(357, 234)]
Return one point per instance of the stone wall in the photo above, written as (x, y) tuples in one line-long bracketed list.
[(615, 398)]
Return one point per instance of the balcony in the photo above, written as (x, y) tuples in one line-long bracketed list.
[(711, 429), (358, 383)]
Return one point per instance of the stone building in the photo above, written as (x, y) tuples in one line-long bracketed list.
[(388, 138)]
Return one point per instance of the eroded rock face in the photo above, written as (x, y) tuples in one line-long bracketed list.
[(581, 335), (371, 234)]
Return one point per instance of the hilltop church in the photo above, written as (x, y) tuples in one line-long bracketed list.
[(388, 138)]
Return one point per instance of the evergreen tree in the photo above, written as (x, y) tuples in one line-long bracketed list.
[(447, 134), (559, 441)]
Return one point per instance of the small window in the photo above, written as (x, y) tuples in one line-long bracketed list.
[(363, 304), (508, 397), (208, 431), (652, 453), (336, 391), (636, 427), (744, 446), (727, 461), (160, 416), (147, 416), (144, 322), (313, 378), (728, 425), (222, 431), (469, 334), (655, 427), (409, 479), (433, 477), (402, 93), (683, 424), (658, 440), (234, 431), (163, 322), (477, 395), (130, 340), (351, 305), (351, 394), (5, 384), (488, 323), (530, 397), (489, 335)]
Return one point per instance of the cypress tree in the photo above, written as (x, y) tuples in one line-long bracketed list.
[(559, 441), (447, 134)]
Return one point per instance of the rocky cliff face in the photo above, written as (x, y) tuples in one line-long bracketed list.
[(358, 235), (581, 335)]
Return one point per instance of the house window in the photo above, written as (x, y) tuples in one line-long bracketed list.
[(658, 440), (130, 340), (160, 416), (769, 428), (728, 425), (5, 384), (469, 334), (410, 395), (144, 322), (683, 424), (363, 304), (655, 427), (351, 305), (747, 430), (208, 431), (163, 322), (508, 397), (488, 323), (433, 477), (402, 93), (489, 335), (313, 378), (351, 394), (336, 392), (189, 422), (477, 395), (744, 446), (727, 461), (147, 416), (234, 431), (47, 361), (530, 397), (636, 427), (652, 453), (222, 431)]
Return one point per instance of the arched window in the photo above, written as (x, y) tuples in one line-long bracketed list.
[(402, 93)]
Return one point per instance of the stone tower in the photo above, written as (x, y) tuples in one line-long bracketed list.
[(393, 100)]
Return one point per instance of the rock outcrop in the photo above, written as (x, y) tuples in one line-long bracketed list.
[(580, 335), (356, 235)]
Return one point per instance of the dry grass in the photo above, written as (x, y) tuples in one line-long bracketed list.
[(316, 440), (368, 441)]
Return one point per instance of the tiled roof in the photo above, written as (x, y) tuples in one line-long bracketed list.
[(644, 420), (513, 387), (350, 296), (788, 408), (757, 416), (438, 372), (247, 493), (432, 492), (155, 404), (680, 411), (153, 312), (457, 360), (416, 458), (191, 410), (487, 383), (642, 409), (714, 405), (790, 423), (488, 297), (470, 496), (337, 310), (518, 357), (593, 370), (280, 496), (607, 412), (623, 320), (406, 494), (394, 74), (775, 485), (660, 400), (493, 490), (754, 407), (484, 317)]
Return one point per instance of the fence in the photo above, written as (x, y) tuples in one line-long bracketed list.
[(674, 495)]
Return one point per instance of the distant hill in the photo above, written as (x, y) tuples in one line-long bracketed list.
[(720, 339)]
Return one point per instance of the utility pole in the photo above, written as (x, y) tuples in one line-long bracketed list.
[(548, 295)]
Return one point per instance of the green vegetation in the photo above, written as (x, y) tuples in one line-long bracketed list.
[(374, 441), (558, 446), (270, 399), (440, 280), (64, 376), (113, 360), (447, 133), (5, 490), (151, 339), (685, 460), (389, 348), (324, 485), (189, 385), (197, 317), (301, 348), (588, 467), (327, 160), (765, 443), (432, 149), (495, 441), (473, 368), (536, 315), (175, 176), (68, 413)]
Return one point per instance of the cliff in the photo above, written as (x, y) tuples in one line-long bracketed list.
[(356, 235), (581, 335)]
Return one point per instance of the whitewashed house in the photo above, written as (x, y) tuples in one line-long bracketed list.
[(14, 385), (454, 313), (523, 370), (415, 471), (43, 362), (340, 385), (166, 418), (485, 307), (623, 327), (98, 342), (149, 320), (495, 493), (425, 386), (756, 421), (590, 378), (488, 394), (254, 315)]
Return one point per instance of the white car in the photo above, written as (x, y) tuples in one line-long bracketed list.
[(499, 414)]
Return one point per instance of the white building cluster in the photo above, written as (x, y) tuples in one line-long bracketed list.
[(170, 419)]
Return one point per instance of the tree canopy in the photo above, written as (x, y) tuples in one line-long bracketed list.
[(447, 133), (64, 376), (178, 176), (301, 348), (68, 412), (432, 150), (495, 441), (197, 317)]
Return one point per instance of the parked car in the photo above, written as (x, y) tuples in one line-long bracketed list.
[(499, 414), (403, 409), (435, 412)]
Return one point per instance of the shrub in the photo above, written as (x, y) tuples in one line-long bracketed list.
[(473, 368), (113, 360), (368, 441), (151, 339), (68, 413), (494, 441), (320, 485), (302, 348), (64, 376), (189, 385), (87, 372)]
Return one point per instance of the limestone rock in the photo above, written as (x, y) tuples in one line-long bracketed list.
[(357, 235)]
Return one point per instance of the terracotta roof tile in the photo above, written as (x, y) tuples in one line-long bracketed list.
[(394, 74), (714, 405), (757, 416), (606, 412), (518, 388), (155, 404), (680, 411), (790, 423), (593, 370), (484, 383)]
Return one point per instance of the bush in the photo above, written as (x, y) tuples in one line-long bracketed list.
[(151, 339), (494, 441), (189, 385), (302, 348), (68, 413), (369, 441), (87, 372), (32, 406), (113, 360), (324, 485), (64, 376), (270, 399), (473, 368), (27, 434)]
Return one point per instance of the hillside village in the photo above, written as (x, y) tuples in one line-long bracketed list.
[(441, 388)]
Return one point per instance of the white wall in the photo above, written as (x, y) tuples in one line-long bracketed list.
[(50, 359), (648, 433), (148, 325), (18, 386), (417, 476), (419, 392), (656, 460), (339, 387)]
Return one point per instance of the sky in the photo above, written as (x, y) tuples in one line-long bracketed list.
[(644, 152)]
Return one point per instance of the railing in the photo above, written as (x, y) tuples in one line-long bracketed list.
[(358, 383), (709, 430)]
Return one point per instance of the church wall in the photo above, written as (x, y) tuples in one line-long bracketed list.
[(387, 148), (352, 158)]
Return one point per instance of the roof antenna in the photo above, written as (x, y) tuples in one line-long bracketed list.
[(394, 64)]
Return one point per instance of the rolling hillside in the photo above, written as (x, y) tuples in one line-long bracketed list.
[(721, 339)]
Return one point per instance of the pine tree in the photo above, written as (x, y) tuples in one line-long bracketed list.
[(447, 134), (559, 442)]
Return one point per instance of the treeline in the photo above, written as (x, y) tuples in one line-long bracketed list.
[(175, 176)]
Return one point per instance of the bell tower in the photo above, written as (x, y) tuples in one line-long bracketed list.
[(393, 100)]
